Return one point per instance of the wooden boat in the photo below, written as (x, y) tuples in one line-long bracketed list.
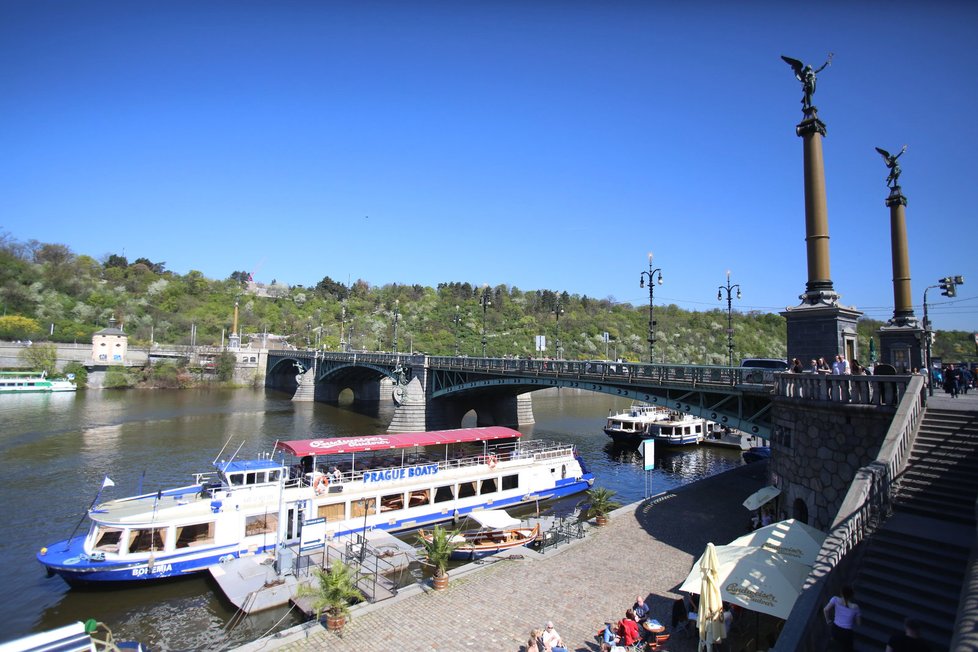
[(498, 531)]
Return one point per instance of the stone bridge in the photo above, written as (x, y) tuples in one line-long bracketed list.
[(433, 392)]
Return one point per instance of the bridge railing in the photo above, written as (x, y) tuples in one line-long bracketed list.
[(859, 390), (606, 371)]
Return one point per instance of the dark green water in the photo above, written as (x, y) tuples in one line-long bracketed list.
[(55, 450)]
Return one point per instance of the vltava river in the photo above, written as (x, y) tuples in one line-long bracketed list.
[(55, 451)]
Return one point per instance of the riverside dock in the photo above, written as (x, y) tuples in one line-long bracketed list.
[(646, 549)]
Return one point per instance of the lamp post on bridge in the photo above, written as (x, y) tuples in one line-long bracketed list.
[(641, 284), (485, 301), (456, 320), (729, 288), (397, 314), (343, 326), (558, 309)]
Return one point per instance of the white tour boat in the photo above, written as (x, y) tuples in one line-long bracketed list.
[(679, 429), (19, 382), (387, 482), (632, 425)]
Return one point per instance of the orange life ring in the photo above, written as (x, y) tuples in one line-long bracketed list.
[(491, 461)]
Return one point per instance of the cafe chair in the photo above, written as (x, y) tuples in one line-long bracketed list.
[(657, 641)]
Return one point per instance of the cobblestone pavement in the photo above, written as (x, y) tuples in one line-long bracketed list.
[(648, 548)]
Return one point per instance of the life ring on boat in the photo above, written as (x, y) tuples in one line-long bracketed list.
[(320, 483), (491, 461)]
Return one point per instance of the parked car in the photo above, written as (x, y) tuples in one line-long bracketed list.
[(762, 369)]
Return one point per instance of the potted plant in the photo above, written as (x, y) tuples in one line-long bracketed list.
[(601, 503), (337, 587), (438, 548)]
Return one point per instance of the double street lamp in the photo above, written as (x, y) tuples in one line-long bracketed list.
[(729, 288), (641, 284), (485, 301), (948, 286), (558, 310)]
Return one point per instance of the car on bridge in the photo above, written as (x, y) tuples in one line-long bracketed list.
[(762, 369)]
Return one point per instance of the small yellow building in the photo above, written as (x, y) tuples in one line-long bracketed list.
[(109, 345)]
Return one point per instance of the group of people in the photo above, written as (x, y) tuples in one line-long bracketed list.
[(637, 627), (839, 367), (545, 640), (957, 379)]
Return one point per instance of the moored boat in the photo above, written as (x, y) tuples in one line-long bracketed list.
[(498, 531), (388, 482), (631, 426), (90, 636), (22, 382), (678, 429)]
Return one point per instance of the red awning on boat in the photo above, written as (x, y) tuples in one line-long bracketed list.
[(333, 445)]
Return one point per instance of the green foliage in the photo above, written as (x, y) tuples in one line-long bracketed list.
[(439, 548), (167, 375), (118, 378), (17, 327), (334, 591), (80, 371), (41, 357), (224, 366), (601, 503)]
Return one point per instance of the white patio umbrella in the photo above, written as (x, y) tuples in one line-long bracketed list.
[(793, 539), (755, 578), (761, 497), (710, 616)]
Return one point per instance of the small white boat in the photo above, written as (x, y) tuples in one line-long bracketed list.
[(632, 425), (22, 382), (498, 531), (90, 636), (678, 429)]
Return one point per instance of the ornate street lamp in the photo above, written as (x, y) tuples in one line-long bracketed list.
[(457, 320), (641, 284), (558, 310), (729, 288), (343, 327), (397, 314), (485, 304)]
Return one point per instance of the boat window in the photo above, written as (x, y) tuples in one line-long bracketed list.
[(489, 486), (236, 479), (252, 478), (196, 534), (466, 489), (444, 493), (363, 507), (147, 540), (261, 524), (273, 476), (391, 502), (699, 428), (511, 481), (332, 511), (107, 539), (418, 498)]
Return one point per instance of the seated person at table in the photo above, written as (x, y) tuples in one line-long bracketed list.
[(640, 608), (551, 639), (608, 635), (628, 629)]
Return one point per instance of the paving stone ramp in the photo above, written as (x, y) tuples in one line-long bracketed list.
[(915, 564)]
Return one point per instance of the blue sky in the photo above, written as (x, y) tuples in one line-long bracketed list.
[(534, 144)]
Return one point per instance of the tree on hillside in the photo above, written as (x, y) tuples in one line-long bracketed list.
[(113, 260), (17, 327), (41, 357)]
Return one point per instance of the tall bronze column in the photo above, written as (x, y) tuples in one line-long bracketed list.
[(902, 341), (819, 327)]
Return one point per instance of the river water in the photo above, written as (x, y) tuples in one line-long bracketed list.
[(55, 451)]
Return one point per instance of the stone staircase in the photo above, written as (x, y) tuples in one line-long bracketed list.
[(914, 565)]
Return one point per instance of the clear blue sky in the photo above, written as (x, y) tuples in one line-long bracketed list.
[(535, 144)]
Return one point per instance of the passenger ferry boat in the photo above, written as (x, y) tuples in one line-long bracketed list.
[(679, 429), (389, 482), (631, 426), (18, 382)]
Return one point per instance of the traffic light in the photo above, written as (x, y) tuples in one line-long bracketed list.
[(947, 287)]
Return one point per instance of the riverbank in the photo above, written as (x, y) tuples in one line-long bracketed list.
[(648, 548)]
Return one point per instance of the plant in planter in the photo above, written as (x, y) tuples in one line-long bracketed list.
[(438, 547), (601, 503), (336, 588)]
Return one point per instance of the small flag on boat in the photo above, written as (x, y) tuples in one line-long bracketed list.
[(107, 482)]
